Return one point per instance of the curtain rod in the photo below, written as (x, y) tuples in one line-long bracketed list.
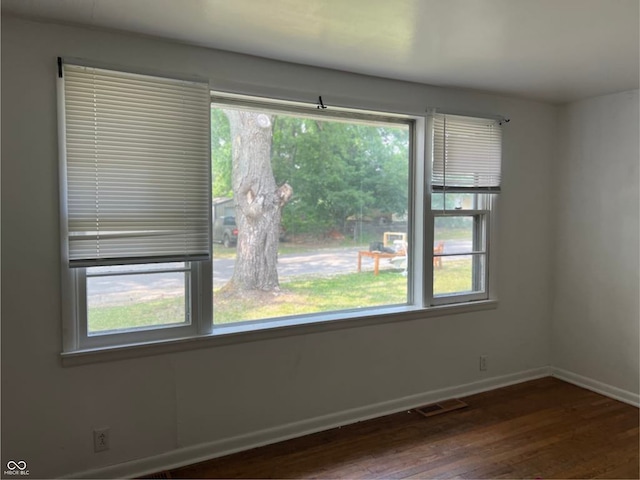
[(501, 119)]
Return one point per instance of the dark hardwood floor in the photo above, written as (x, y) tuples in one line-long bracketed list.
[(539, 429)]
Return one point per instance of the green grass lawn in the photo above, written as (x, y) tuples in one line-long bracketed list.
[(134, 315), (454, 276), (313, 295), (297, 297)]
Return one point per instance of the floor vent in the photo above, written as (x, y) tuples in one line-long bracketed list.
[(441, 407), (161, 475)]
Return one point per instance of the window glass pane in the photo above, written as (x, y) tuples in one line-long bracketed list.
[(455, 201), (147, 267), (341, 183), (458, 274), (454, 234), (118, 302)]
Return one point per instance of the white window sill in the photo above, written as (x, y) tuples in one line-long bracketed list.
[(242, 332)]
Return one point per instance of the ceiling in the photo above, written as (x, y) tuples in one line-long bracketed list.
[(551, 50)]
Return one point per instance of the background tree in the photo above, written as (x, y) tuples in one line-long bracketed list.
[(258, 202), (220, 154), (339, 171)]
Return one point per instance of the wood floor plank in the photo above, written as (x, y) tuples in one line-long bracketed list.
[(544, 428)]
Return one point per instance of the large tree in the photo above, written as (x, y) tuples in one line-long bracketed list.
[(258, 202), (338, 170)]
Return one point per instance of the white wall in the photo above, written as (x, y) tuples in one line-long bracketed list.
[(161, 403), (595, 307)]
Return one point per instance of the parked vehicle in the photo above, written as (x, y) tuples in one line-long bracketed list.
[(225, 231)]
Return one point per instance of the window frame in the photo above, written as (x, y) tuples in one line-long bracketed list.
[(415, 183), (485, 202), (481, 234), (75, 337), (197, 289), (421, 303)]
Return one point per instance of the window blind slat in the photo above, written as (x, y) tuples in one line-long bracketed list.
[(467, 154), (137, 162)]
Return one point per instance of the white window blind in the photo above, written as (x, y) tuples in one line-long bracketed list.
[(137, 167), (467, 154)]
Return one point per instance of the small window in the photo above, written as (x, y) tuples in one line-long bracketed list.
[(136, 205), (126, 304), (460, 257), (465, 181), (133, 297)]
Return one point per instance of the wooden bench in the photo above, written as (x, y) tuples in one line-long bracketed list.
[(376, 259), (438, 250)]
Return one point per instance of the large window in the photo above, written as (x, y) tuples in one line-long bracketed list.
[(187, 213), (312, 196)]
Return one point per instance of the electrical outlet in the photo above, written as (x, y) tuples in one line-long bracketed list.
[(101, 439), (483, 363)]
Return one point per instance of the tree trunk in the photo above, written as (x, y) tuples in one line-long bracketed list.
[(258, 202)]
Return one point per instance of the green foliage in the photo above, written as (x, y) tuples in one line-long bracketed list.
[(338, 170), (221, 158)]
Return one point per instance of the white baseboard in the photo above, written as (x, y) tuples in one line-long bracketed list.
[(206, 451), (596, 386)]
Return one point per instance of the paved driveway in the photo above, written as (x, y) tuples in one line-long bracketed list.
[(323, 262), (134, 288)]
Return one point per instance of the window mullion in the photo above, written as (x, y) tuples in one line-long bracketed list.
[(476, 267), (80, 288), (202, 295), (424, 178), (461, 254), (491, 261)]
